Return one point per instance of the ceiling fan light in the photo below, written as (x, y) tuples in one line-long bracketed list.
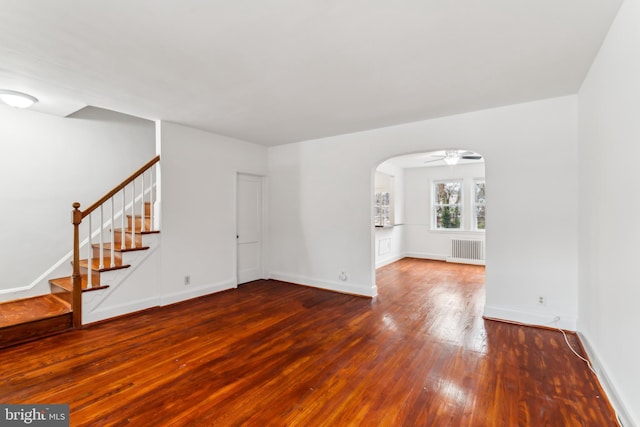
[(451, 157), (17, 99)]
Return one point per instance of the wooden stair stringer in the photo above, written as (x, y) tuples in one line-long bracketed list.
[(96, 303)]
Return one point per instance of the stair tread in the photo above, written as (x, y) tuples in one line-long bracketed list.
[(118, 248), (66, 283), (31, 309), (95, 264), (128, 231)]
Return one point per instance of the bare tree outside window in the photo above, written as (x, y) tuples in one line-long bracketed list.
[(480, 204), (383, 209), (447, 204)]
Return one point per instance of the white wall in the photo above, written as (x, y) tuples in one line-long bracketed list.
[(389, 241), (529, 149), (421, 241), (46, 164), (199, 208), (609, 131), (320, 215)]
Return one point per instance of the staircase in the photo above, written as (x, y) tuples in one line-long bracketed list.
[(31, 318)]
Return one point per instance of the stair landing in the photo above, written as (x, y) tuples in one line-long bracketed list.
[(30, 318)]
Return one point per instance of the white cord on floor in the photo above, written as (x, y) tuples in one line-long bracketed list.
[(566, 339)]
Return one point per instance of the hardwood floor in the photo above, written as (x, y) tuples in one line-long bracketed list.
[(272, 353)]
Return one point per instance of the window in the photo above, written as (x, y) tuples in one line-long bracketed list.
[(479, 203), (383, 209), (384, 200), (447, 205)]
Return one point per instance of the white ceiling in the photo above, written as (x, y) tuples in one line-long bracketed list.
[(281, 71)]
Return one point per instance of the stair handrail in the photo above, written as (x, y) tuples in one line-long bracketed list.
[(119, 187), (76, 219)]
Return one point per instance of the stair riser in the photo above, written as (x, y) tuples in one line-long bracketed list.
[(127, 239), (61, 293), (95, 276), (33, 330), (138, 223), (117, 256)]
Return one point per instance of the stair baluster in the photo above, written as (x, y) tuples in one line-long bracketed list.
[(111, 235), (142, 227), (151, 200), (90, 254), (101, 263), (122, 219), (133, 214)]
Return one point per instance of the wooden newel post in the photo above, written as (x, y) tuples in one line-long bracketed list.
[(76, 279)]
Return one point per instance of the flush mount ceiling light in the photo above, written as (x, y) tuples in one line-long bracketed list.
[(17, 99)]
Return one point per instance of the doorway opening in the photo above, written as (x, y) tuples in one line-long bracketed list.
[(432, 206)]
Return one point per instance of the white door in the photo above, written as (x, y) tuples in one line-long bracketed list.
[(249, 227)]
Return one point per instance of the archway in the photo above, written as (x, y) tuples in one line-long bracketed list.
[(430, 205)]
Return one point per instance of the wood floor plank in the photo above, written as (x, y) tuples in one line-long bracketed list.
[(272, 353)]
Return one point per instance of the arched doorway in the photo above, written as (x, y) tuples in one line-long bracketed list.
[(430, 205)]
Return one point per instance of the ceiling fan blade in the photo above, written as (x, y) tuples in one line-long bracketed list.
[(436, 160), (471, 157)]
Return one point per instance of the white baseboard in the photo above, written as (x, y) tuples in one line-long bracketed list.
[(443, 257), (388, 261), (426, 255), (115, 311), (618, 403), (96, 315), (466, 261), (342, 287), (196, 292), (528, 318)]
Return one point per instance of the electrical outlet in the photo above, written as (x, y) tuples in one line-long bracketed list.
[(542, 300), (343, 276), (187, 280)]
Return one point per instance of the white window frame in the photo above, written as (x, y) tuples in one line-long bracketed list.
[(435, 205)]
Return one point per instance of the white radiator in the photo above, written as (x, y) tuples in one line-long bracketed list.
[(466, 251)]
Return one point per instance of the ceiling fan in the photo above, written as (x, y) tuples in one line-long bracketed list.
[(451, 157)]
